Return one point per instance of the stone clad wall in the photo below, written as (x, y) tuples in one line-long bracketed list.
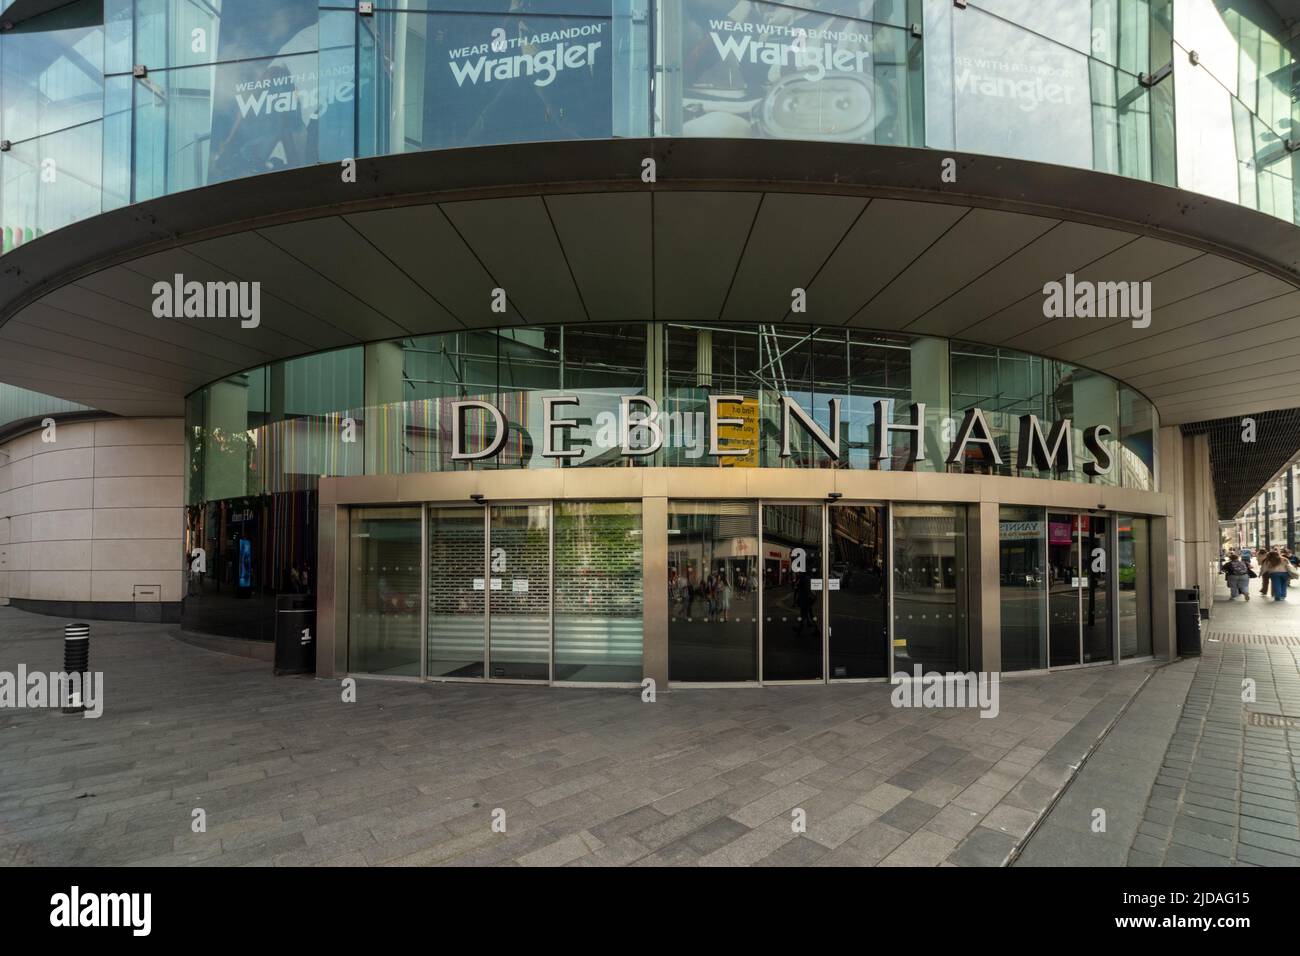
[(92, 522)]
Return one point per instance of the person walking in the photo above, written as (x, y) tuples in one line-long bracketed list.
[(1237, 574), (1276, 570), (1264, 557)]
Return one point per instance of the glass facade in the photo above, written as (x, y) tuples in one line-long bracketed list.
[(258, 443), (755, 591), (233, 88), (386, 408)]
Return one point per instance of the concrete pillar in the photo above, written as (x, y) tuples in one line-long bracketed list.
[(1171, 482), (654, 590), (986, 589), (1290, 507), (1163, 643), (930, 375), (384, 363), (332, 590)]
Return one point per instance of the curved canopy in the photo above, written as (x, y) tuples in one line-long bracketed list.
[(418, 242)]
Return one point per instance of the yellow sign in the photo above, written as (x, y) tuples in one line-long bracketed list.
[(744, 435)]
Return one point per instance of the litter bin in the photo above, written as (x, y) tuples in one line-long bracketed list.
[(1187, 621), (295, 634)]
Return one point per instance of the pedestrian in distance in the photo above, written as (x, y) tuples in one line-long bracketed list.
[(1237, 573)]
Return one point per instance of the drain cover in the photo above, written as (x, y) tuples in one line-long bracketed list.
[(1257, 640)]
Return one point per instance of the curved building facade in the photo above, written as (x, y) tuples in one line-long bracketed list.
[(589, 341)]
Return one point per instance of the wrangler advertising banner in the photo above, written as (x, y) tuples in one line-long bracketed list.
[(540, 72), (1016, 94), (776, 71), (268, 92)]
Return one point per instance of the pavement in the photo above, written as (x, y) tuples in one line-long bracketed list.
[(281, 771), (1202, 767)]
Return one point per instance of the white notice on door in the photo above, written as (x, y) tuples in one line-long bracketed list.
[(496, 584), (519, 585), (835, 584), (478, 584)]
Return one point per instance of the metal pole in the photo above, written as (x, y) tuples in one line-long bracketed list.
[(1290, 507)]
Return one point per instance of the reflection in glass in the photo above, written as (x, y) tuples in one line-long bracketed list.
[(1063, 589), (384, 591), (859, 596), (792, 592), (1095, 551), (456, 592), (1133, 575), (52, 71), (1004, 384), (519, 593), (712, 591), (1019, 94), (1022, 560), (598, 578), (866, 89), (1135, 449), (929, 588)]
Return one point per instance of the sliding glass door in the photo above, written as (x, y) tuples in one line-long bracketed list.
[(457, 592), (858, 620), (713, 582), (1063, 590), (792, 592)]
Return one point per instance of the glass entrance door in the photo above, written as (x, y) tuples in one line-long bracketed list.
[(1063, 590), (1095, 551), (713, 573), (792, 592), (519, 593), (457, 592), (384, 591), (858, 620)]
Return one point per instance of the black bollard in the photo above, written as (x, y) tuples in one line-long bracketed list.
[(76, 660)]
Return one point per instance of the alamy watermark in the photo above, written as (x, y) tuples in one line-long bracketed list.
[(37, 689), (933, 689), (1083, 299), (179, 299), (76, 909)]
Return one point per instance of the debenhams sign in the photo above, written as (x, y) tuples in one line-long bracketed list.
[(641, 434)]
